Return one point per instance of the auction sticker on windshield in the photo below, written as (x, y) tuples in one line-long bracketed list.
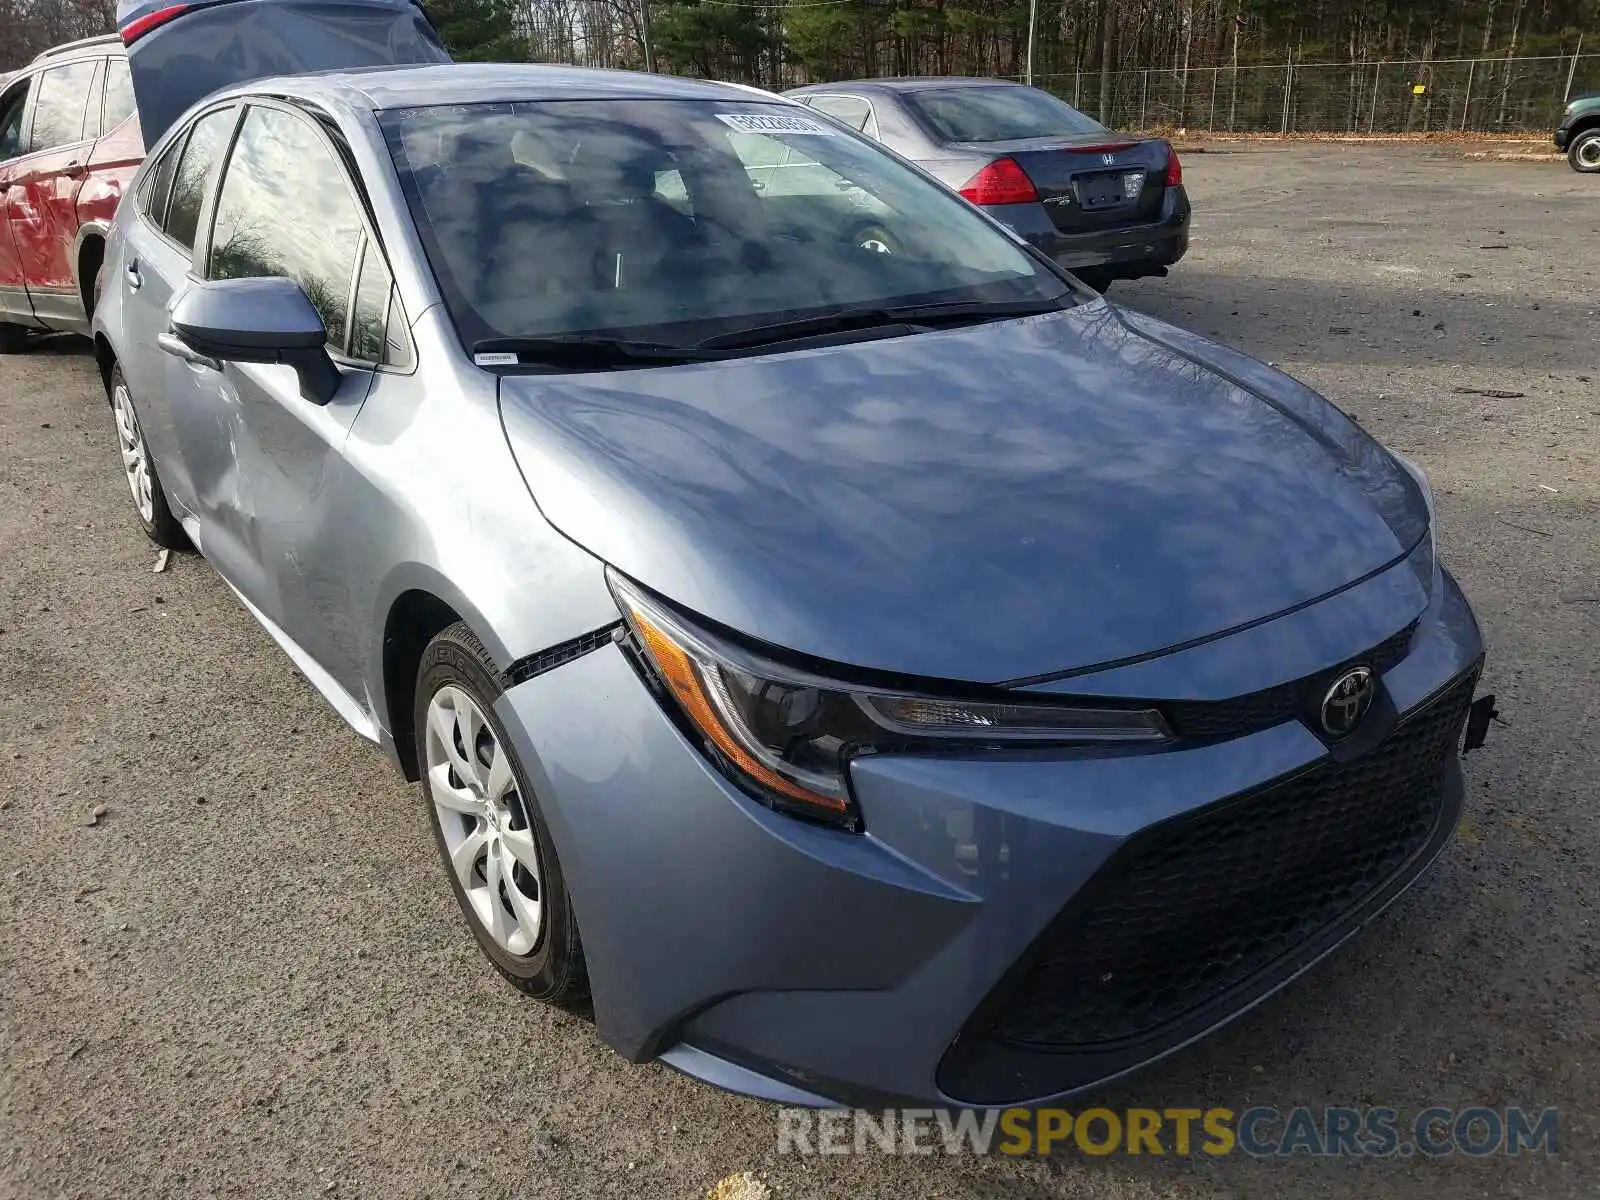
[(773, 123)]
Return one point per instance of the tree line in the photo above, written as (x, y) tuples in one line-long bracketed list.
[(779, 44)]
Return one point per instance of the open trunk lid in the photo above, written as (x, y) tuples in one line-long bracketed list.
[(179, 53)]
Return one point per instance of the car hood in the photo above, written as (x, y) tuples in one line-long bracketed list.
[(985, 504)]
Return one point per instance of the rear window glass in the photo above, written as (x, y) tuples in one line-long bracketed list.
[(852, 110), (195, 169), (678, 220), (157, 186), (119, 95), (998, 114), (58, 112)]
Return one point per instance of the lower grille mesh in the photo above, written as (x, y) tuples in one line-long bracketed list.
[(1194, 908)]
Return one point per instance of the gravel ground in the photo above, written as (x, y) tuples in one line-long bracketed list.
[(248, 978)]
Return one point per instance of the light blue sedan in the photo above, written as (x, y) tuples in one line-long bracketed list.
[(863, 661)]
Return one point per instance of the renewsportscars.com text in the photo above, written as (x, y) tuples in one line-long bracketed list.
[(1261, 1132)]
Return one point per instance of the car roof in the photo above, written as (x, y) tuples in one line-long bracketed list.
[(379, 88), (907, 84), (98, 44)]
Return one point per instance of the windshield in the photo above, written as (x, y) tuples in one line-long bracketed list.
[(998, 114), (672, 221)]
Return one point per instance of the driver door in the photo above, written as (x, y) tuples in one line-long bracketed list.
[(286, 207)]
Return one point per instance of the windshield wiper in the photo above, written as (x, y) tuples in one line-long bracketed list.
[(580, 350), (844, 320)]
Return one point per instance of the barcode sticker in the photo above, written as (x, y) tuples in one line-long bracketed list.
[(774, 123)]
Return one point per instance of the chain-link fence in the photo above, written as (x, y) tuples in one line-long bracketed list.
[(1509, 95)]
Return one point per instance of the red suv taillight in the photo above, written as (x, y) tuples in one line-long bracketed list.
[(1001, 182), (136, 29), (1174, 169)]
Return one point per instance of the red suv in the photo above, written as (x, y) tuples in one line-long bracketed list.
[(69, 144)]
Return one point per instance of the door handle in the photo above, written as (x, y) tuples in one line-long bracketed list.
[(75, 170), (135, 280), (178, 348)]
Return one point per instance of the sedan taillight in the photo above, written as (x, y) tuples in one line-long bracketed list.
[(1001, 182), (1174, 169)]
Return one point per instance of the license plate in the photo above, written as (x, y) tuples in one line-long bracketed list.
[(1111, 188)]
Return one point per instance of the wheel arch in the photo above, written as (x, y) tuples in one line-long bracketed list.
[(88, 255), (1583, 125), (105, 359), (421, 605)]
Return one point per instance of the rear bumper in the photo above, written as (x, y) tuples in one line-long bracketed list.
[(1127, 251), (809, 966)]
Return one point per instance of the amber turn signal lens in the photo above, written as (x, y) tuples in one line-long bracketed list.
[(683, 676)]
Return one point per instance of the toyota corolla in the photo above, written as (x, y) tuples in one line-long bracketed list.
[(865, 675)]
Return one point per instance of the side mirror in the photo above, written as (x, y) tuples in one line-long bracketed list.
[(259, 321)]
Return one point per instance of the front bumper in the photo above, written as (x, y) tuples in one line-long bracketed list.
[(1127, 251), (811, 966), (1563, 136)]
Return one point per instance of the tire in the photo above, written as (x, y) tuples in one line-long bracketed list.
[(1584, 152), (149, 500), (876, 239), (548, 964), (1097, 278), (12, 338)]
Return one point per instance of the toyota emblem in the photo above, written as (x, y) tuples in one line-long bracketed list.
[(1347, 701)]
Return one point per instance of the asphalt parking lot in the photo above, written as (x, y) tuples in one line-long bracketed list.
[(247, 976)]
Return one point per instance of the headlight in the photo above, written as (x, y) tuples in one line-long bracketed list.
[(787, 736), (1424, 567)]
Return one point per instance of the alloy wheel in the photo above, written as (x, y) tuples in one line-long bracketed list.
[(135, 455), (1589, 153), (490, 845)]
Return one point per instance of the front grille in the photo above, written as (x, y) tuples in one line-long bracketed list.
[(1198, 906), (1273, 706)]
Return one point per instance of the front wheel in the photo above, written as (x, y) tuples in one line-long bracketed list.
[(1097, 278), (144, 485), (492, 837), (1584, 153), (875, 239)]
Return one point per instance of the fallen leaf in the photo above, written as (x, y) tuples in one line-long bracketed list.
[(743, 1186)]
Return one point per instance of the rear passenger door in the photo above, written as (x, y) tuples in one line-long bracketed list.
[(14, 305), (175, 398), (44, 195)]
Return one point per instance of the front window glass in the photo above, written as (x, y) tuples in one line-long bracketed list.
[(59, 110), (676, 220), (285, 209), (998, 114), (372, 307)]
